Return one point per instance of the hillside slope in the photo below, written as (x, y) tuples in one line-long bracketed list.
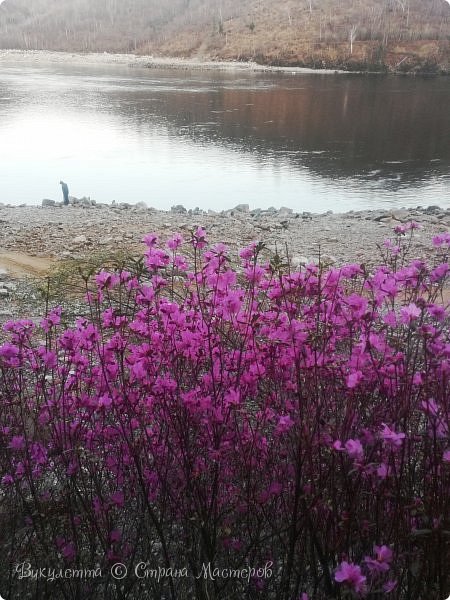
[(397, 34)]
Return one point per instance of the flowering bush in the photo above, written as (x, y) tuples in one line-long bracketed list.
[(249, 431)]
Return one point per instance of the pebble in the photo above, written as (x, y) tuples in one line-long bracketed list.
[(79, 239)]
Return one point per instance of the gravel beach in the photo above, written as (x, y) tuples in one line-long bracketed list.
[(54, 232), (150, 62), (35, 238)]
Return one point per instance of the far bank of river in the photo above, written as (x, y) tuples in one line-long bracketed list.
[(134, 60), (189, 64)]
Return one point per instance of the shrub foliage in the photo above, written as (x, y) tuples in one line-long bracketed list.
[(232, 432)]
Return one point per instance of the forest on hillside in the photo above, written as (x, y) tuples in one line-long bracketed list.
[(394, 33)]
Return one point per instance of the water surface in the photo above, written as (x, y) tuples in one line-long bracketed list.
[(215, 139)]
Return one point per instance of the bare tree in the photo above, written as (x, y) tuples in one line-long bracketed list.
[(353, 31), (180, 27)]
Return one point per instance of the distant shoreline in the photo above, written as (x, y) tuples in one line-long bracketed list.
[(152, 62), (182, 64)]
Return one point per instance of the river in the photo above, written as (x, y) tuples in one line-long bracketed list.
[(215, 139)]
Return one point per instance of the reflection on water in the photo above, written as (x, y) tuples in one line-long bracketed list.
[(312, 142)]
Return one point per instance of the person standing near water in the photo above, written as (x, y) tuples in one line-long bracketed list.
[(65, 191)]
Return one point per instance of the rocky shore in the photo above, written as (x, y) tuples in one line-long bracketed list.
[(59, 232), (33, 238), (149, 62)]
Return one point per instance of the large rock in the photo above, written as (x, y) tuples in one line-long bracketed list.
[(242, 208), (48, 202), (104, 241), (402, 214), (79, 239), (84, 202), (379, 218), (432, 210), (285, 211), (299, 261), (328, 259), (178, 208), (195, 211), (140, 206)]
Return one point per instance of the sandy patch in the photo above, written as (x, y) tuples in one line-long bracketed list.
[(19, 264)]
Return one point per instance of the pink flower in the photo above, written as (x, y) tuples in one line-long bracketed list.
[(52, 319), (219, 249), (438, 312), (10, 353), (430, 407), (39, 453), (417, 379), (232, 397), (350, 574), (175, 242), (391, 437), (439, 272), (150, 240), (105, 280), (104, 401), (383, 556), (284, 424), (20, 327), (48, 358), (199, 238), (248, 252), (390, 319), (232, 302), (351, 270), (446, 456), (275, 488), (443, 239), (389, 586), (7, 479), (358, 304), (354, 449), (394, 249), (409, 313), (383, 471), (17, 442), (353, 379)]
